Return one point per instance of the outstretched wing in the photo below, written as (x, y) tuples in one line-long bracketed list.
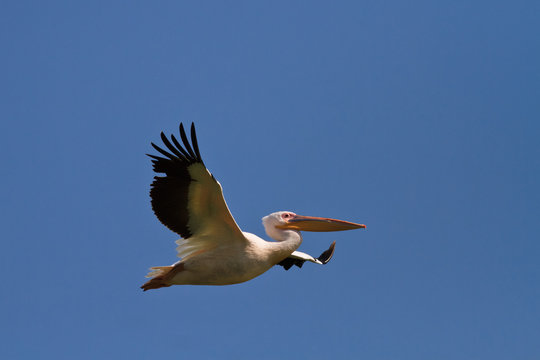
[(299, 258), (188, 199)]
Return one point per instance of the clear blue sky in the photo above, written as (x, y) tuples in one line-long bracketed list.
[(420, 119)]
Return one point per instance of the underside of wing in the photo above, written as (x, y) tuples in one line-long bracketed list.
[(188, 199), (299, 258)]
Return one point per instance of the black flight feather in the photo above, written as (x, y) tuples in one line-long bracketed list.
[(186, 142)]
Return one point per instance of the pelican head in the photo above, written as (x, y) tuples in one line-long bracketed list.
[(275, 223)]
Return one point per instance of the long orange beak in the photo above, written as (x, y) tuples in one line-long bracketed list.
[(312, 223)]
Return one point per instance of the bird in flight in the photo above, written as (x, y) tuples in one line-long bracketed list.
[(188, 200)]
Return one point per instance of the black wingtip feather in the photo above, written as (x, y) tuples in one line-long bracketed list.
[(326, 256), (163, 152), (186, 142), (154, 157), (194, 142)]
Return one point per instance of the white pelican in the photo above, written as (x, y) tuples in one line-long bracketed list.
[(213, 250)]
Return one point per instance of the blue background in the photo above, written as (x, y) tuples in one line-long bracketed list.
[(419, 119)]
